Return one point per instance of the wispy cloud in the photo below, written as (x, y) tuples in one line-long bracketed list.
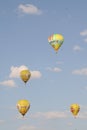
[(26, 127), (55, 69), (29, 9), (2, 121), (82, 71), (77, 48), (83, 33), (59, 62), (83, 112), (69, 123), (50, 115), (85, 39), (83, 115), (9, 83), (85, 87)]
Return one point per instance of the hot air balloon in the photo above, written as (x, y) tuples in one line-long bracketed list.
[(25, 75), (23, 106), (75, 108), (56, 40)]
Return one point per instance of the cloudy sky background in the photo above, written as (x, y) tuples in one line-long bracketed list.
[(57, 80)]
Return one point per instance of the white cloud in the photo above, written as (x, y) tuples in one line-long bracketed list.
[(80, 71), (15, 71), (35, 74), (9, 83), (83, 33), (55, 69), (29, 9), (77, 48), (50, 115)]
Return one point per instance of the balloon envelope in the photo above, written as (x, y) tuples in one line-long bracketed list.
[(75, 108), (23, 106), (56, 40), (25, 75)]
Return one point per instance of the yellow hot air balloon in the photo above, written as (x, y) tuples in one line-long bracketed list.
[(75, 108), (56, 40), (25, 75), (23, 106)]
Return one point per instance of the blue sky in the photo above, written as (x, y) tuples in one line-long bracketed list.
[(57, 80)]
